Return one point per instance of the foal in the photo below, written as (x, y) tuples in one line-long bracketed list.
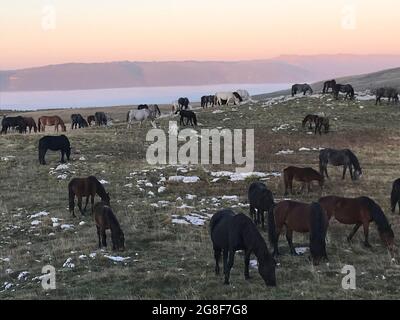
[(304, 175)]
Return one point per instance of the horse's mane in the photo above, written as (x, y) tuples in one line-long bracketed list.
[(112, 218), (99, 186), (353, 160), (318, 231), (377, 214), (237, 95)]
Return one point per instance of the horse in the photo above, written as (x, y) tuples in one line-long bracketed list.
[(204, 101), (91, 119), (54, 143), (345, 158), (183, 103), (303, 218), (301, 88), (101, 118), (85, 187), (78, 120), (229, 233), (141, 115), (228, 96), (17, 122), (395, 195), (390, 93), (244, 94), (105, 219), (30, 123), (359, 211), (190, 116), (310, 118), (262, 200), (329, 85), (51, 121), (321, 122), (346, 88), (304, 175)]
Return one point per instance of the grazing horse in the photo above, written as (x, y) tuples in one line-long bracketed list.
[(345, 158), (141, 115), (51, 121), (54, 143), (304, 175), (262, 200), (183, 103), (78, 120), (13, 122), (229, 233), (301, 88), (390, 93), (30, 123), (395, 195), (228, 96), (205, 100), (310, 118), (101, 118), (91, 119), (346, 88), (85, 187), (329, 85), (322, 122), (190, 116), (105, 219), (359, 211), (303, 218)]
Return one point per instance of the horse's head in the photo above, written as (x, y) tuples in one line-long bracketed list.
[(387, 237), (67, 152), (266, 268), (118, 240), (63, 127), (106, 199), (357, 174)]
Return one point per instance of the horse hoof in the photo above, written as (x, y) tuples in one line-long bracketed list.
[(226, 282)]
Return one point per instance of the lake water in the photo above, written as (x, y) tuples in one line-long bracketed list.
[(34, 100)]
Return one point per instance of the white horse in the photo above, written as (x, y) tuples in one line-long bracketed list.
[(141, 115), (227, 96)]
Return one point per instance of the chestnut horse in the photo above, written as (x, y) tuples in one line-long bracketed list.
[(304, 175), (360, 212), (51, 121), (85, 187), (303, 218), (30, 123)]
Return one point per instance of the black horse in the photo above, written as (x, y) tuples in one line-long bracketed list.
[(390, 93), (345, 158), (189, 115), (78, 120), (329, 85), (301, 88), (205, 100), (262, 200), (54, 143), (344, 88), (395, 196), (321, 122), (183, 103), (229, 233), (101, 118), (17, 123)]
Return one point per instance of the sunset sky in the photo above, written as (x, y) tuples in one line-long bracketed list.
[(41, 32)]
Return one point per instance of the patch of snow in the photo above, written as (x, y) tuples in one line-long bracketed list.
[(117, 258), (62, 167), (285, 152), (39, 214), (191, 196), (184, 179), (301, 250), (67, 226), (23, 275), (230, 198), (68, 264), (35, 222), (103, 181), (161, 189)]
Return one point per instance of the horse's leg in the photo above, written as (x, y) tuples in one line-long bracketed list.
[(344, 171), (246, 264), (253, 214), (353, 232), (87, 201), (231, 259), (92, 201), (104, 237), (217, 256), (326, 171), (303, 185), (262, 219), (80, 204), (225, 262), (366, 231), (62, 156), (98, 235), (289, 238), (351, 172)]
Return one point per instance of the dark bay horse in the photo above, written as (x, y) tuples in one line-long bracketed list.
[(54, 143), (30, 123), (230, 233), (190, 116), (310, 119), (91, 119), (205, 100), (304, 175), (344, 88), (301, 88), (17, 123), (78, 121), (345, 158), (390, 93), (359, 212), (303, 218), (55, 121), (105, 219), (262, 200), (101, 118), (322, 122), (395, 196), (329, 85), (183, 103), (85, 187)]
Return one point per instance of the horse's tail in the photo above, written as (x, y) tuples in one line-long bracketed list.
[(376, 214), (272, 226), (71, 197), (215, 220), (39, 124), (318, 223), (127, 116), (293, 90), (395, 195), (195, 119)]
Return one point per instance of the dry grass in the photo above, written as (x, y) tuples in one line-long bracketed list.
[(171, 261)]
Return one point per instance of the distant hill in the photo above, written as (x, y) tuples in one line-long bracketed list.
[(123, 74)]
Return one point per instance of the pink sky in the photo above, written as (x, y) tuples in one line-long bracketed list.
[(96, 31)]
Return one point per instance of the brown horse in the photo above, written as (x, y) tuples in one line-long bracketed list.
[(51, 121), (105, 219), (303, 218), (304, 175), (360, 212), (30, 123), (91, 119), (85, 187)]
